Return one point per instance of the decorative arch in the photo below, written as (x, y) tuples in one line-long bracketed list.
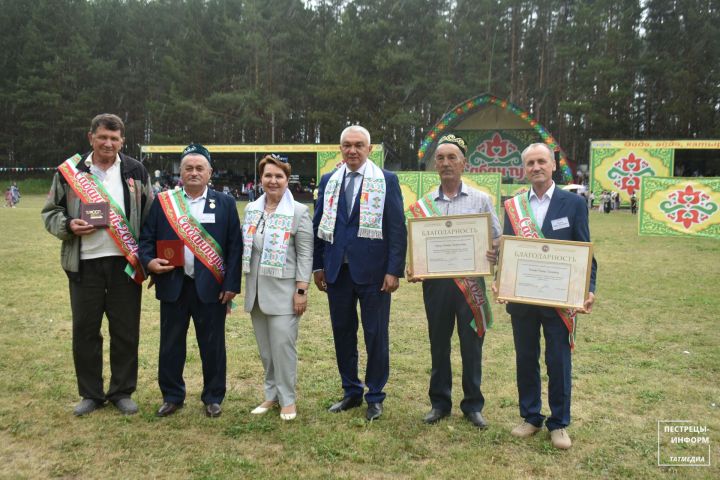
[(471, 106)]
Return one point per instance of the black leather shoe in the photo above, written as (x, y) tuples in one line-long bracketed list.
[(168, 408), (435, 415), (213, 410), (374, 411), (346, 404), (476, 419)]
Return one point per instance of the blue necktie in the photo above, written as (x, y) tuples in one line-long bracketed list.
[(349, 189)]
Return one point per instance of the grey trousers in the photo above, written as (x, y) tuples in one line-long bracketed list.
[(276, 336)]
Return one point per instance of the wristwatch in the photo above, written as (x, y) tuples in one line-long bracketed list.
[(301, 291)]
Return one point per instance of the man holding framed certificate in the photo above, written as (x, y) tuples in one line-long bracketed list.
[(454, 298), (545, 212)]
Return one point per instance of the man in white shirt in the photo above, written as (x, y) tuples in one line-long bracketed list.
[(359, 255), (559, 215), (97, 260), (206, 223)]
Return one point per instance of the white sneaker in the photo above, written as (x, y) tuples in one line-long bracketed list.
[(524, 430), (560, 439)]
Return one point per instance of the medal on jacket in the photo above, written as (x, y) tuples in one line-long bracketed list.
[(212, 203)]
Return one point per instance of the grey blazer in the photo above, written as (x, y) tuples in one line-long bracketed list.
[(275, 295)]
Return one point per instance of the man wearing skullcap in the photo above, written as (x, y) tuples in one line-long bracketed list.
[(206, 223), (456, 300)]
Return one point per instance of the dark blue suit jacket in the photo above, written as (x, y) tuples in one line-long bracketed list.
[(225, 230), (563, 204), (369, 259)]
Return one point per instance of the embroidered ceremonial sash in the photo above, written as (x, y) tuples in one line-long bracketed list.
[(90, 191), (472, 288), (192, 233), (524, 225)]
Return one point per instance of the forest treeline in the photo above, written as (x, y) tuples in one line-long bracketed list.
[(288, 71)]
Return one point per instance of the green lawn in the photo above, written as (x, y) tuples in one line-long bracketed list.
[(649, 352)]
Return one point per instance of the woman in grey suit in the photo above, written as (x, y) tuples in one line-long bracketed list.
[(277, 262)]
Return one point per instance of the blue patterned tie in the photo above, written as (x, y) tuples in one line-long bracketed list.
[(349, 189)]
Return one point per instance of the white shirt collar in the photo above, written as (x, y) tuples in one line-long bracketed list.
[(360, 170), (204, 195), (89, 162), (547, 194)]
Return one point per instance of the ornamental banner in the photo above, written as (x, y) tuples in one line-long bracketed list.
[(497, 151), (680, 207), (329, 161), (510, 190), (410, 188), (618, 168)]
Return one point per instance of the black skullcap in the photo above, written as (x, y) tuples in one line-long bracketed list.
[(196, 148)]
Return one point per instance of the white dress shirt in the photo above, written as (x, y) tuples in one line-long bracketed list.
[(539, 206), (99, 244), (197, 207)]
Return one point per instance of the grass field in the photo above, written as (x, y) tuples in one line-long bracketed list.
[(649, 352)]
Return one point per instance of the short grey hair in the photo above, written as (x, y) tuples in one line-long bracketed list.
[(355, 128), (536, 145)]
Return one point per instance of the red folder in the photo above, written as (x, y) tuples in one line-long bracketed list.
[(171, 250)]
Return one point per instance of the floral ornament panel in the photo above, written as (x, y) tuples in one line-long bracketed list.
[(621, 169), (680, 206)]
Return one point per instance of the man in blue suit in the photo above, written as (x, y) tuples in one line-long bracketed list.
[(207, 224), (360, 243), (558, 215)]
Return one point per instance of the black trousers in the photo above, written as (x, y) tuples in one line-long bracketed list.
[(209, 319), (444, 305), (103, 287)]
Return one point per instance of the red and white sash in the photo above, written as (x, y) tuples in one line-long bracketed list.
[(90, 191), (472, 288), (192, 233), (524, 225)]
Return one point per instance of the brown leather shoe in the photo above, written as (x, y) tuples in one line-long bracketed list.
[(213, 410), (560, 439), (524, 430), (168, 408)]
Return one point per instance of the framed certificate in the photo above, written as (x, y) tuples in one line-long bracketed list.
[(552, 273), (449, 246)]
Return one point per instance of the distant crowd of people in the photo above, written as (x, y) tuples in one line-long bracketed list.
[(609, 201)]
